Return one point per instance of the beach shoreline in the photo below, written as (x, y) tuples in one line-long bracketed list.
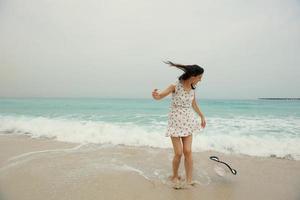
[(42, 168)]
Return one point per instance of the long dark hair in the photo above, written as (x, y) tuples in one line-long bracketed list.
[(189, 70)]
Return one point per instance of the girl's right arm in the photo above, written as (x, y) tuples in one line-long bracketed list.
[(164, 93)]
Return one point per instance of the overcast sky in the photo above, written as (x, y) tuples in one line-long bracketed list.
[(115, 48)]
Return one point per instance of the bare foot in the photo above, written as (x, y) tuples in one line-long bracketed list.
[(193, 183), (174, 179), (176, 182)]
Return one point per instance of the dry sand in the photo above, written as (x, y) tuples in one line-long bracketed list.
[(42, 169)]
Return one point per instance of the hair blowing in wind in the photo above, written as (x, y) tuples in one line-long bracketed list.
[(189, 70)]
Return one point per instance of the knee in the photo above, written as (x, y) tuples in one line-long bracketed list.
[(187, 153), (178, 155)]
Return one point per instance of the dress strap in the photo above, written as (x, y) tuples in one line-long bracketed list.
[(176, 83)]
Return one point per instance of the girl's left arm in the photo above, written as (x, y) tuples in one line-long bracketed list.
[(196, 108)]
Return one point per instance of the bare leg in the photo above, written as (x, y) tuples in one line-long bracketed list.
[(188, 161), (177, 147)]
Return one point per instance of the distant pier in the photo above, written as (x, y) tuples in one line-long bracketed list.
[(280, 98)]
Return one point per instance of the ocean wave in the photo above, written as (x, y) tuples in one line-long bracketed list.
[(241, 136)]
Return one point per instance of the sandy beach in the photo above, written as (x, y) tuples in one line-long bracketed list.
[(41, 168)]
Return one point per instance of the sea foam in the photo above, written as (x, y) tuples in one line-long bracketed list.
[(241, 136)]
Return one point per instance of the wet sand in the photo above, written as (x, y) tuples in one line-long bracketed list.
[(41, 168)]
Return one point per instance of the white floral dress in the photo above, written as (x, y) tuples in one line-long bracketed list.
[(182, 120)]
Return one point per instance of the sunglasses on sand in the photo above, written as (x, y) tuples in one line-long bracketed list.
[(215, 158)]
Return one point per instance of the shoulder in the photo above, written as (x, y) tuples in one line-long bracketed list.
[(174, 85), (176, 82)]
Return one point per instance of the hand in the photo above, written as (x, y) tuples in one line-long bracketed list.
[(155, 94), (203, 122)]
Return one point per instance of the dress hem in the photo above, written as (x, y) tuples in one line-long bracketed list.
[(178, 135)]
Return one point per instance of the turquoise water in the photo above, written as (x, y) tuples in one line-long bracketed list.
[(253, 127)]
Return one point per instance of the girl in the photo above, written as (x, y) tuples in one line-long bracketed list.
[(181, 119)]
